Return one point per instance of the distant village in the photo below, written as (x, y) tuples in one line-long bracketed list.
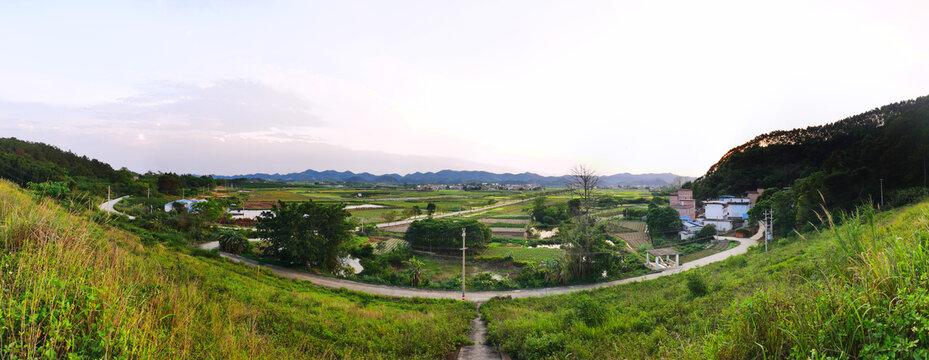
[(725, 213)]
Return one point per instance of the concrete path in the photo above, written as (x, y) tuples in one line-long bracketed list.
[(109, 207), (478, 351), (483, 296)]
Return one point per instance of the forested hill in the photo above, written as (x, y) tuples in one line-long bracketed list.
[(844, 160), (25, 161)]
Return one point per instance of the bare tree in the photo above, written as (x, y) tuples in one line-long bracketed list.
[(582, 181)]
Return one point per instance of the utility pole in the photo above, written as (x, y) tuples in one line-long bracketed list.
[(148, 193), (768, 224), (107, 193), (463, 248), (882, 192)]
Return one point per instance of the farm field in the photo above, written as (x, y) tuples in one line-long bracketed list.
[(395, 203), (520, 253)]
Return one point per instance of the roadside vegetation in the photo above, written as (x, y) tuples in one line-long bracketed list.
[(74, 289)]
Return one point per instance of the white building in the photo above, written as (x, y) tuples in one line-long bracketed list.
[(726, 213), (186, 203)]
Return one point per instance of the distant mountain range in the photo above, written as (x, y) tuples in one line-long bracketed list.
[(451, 177)]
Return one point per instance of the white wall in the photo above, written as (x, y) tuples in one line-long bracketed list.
[(721, 225), (715, 211)]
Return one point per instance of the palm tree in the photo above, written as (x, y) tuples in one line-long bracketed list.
[(415, 271), (231, 241)]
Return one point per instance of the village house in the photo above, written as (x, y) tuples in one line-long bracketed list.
[(683, 201), (186, 203)]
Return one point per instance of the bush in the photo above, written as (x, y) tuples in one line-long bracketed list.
[(696, 284), (706, 233), (634, 213), (591, 312), (231, 241)]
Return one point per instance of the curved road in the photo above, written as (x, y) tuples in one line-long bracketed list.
[(108, 207), (483, 296)]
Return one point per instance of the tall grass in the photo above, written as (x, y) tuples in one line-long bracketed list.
[(872, 302), (72, 289), (859, 289)]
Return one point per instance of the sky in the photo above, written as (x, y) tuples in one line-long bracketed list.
[(235, 87)]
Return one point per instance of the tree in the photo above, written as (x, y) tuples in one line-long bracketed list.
[(582, 181), (231, 241), (169, 183), (445, 233), (706, 233), (390, 216), (415, 271), (430, 209), (308, 233), (663, 221), (412, 211)]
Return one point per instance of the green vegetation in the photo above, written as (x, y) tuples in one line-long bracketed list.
[(445, 234), (70, 288), (307, 233), (522, 254), (836, 166), (852, 291), (547, 216), (663, 221)]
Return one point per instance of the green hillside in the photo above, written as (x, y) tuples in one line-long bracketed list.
[(859, 290), (842, 162), (70, 288)]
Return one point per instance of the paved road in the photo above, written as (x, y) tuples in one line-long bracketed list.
[(108, 206), (483, 296)]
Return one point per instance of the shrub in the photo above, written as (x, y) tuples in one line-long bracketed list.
[(231, 241), (592, 313), (696, 284)]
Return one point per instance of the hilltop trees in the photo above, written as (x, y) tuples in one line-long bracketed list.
[(308, 233)]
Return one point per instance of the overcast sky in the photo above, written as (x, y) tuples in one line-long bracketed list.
[(231, 87)]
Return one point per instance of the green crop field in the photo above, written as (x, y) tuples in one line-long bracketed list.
[(522, 253)]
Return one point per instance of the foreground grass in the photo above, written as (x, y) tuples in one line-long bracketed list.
[(72, 289), (853, 291)]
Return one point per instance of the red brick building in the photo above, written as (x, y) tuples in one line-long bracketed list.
[(683, 201)]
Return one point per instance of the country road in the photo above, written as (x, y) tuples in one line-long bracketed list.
[(109, 207), (483, 296)]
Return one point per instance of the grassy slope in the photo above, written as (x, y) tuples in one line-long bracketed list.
[(69, 286), (853, 291)]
